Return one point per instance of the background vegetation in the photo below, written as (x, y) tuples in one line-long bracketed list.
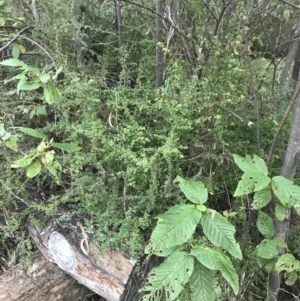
[(223, 91)]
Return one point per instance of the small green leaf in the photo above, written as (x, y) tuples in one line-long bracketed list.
[(267, 264), (44, 78), (69, 147), (15, 51), (53, 170), (287, 193), (195, 191), (277, 242), (261, 198), (174, 227), (33, 169), (215, 260), (33, 133), (51, 93), (32, 113), (41, 110), (171, 276), (201, 283), (281, 211), (23, 85), (2, 21), (22, 162), (287, 262), (201, 208), (265, 225), (291, 278), (12, 63), (12, 143), (220, 232), (266, 250)]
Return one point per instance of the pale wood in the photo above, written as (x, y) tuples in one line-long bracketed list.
[(43, 281), (105, 274)]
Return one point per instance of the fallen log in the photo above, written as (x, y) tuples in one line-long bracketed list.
[(109, 275), (43, 281)]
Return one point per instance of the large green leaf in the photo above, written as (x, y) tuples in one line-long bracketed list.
[(267, 264), (172, 275), (25, 86), (251, 181), (265, 225), (69, 147), (174, 227), (215, 260), (33, 133), (220, 232), (284, 189), (34, 169), (201, 283), (261, 198), (195, 191), (247, 164)]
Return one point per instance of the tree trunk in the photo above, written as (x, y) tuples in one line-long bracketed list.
[(105, 274), (43, 281), (288, 171), (289, 62), (159, 40)]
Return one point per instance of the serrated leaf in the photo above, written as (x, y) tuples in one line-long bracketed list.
[(69, 147), (261, 199), (284, 189), (33, 133), (246, 164), (265, 225), (251, 181), (220, 232), (34, 169), (174, 227), (201, 283), (266, 250), (172, 275), (51, 93), (281, 211), (195, 191), (215, 260), (22, 162), (12, 63), (287, 262)]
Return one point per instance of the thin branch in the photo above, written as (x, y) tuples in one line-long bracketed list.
[(244, 34), (12, 193), (154, 12), (14, 38), (290, 4), (41, 47)]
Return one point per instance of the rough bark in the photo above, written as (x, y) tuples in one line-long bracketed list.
[(159, 40), (42, 281), (288, 171), (105, 274)]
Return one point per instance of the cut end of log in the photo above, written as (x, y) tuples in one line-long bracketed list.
[(61, 251)]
